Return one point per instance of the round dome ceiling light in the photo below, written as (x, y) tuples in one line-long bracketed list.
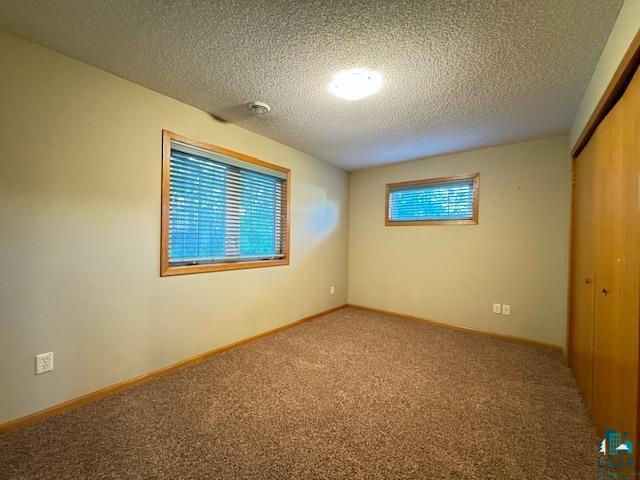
[(258, 108), (355, 83)]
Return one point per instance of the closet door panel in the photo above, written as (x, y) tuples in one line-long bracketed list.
[(617, 296), (583, 267)]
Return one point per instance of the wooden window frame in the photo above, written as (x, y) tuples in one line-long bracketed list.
[(165, 268), (428, 181)]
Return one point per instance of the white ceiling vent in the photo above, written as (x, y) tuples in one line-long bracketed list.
[(259, 108)]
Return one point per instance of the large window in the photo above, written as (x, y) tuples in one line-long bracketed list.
[(221, 210), (435, 201)]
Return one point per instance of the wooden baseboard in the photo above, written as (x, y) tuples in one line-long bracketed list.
[(118, 387), (500, 336)]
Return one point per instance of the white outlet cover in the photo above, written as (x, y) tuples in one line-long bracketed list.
[(506, 309), (496, 308), (44, 362), (332, 290)]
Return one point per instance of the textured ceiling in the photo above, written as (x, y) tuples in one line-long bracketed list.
[(458, 74)]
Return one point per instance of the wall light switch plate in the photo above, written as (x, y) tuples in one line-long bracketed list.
[(44, 362), (506, 309), (332, 290), (496, 308)]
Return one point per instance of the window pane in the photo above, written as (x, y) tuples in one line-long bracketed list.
[(258, 214), (432, 202), (220, 212), (196, 208)]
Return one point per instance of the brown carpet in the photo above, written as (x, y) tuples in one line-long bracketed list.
[(351, 395)]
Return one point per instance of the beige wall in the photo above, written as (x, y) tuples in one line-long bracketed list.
[(79, 246), (516, 255), (625, 28)]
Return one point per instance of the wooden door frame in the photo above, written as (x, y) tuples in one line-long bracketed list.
[(615, 89)]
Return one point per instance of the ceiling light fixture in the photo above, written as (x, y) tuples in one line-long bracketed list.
[(355, 83)]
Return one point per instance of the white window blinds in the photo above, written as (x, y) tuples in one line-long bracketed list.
[(222, 209), (435, 200)]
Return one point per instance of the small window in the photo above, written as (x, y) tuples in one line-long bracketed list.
[(221, 210), (435, 201)]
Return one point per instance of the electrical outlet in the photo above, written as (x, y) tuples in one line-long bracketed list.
[(44, 362), (332, 290), (496, 308), (506, 309)]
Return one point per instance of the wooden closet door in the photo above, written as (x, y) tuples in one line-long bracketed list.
[(617, 296), (584, 215)]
